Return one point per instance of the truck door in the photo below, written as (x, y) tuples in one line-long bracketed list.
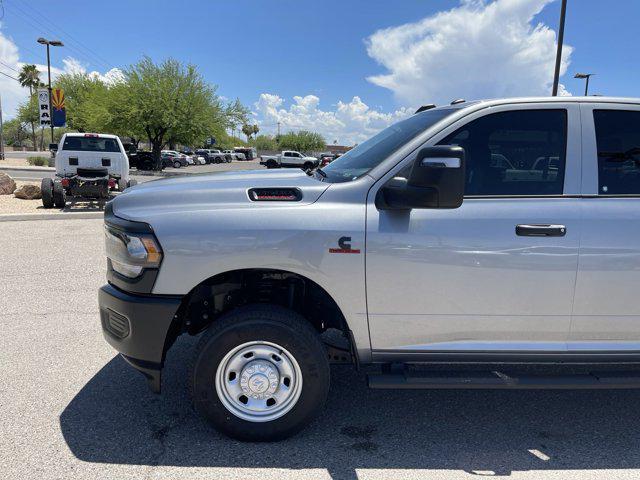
[(498, 273), (607, 304)]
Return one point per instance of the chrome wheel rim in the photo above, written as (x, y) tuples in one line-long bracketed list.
[(258, 381)]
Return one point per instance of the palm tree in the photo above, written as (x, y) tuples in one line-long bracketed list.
[(29, 76)]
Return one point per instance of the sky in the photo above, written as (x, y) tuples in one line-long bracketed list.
[(343, 68)]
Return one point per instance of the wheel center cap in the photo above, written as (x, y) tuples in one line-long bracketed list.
[(259, 379), (258, 383)]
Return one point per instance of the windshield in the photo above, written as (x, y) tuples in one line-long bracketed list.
[(362, 158)]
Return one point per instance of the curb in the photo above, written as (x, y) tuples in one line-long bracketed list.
[(20, 217), (140, 173), (27, 167), (153, 173)]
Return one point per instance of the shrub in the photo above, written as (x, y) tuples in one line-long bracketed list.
[(38, 161)]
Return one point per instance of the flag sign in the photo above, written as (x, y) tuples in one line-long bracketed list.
[(58, 111), (43, 106)]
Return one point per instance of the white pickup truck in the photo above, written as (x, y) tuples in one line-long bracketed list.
[(289, 158)]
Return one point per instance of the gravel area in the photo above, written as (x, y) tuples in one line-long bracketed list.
[(9, 204)]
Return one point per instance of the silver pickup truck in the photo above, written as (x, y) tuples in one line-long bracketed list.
[(492, 233)]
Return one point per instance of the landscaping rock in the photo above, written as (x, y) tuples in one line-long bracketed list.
[(28, 192), (7, 185)]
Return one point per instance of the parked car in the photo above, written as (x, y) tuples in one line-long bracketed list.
[(186, 159), (210, 156), (88, 165), (250, 153), (220, 156), (141, 160), (173, 159), (290, 158), (497, 234), (199, 159), (327, 158), (233, 155)]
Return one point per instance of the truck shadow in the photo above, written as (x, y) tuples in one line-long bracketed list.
[(114, 419)]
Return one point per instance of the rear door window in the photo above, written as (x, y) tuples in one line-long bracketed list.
[(618, 142), (91, 144), (514, 153)]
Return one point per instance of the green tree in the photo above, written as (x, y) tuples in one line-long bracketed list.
[(85, 101), (29, 77), (265, 142), (250, 130), (302, 141), (14, 132), (172, 102), (29, 113)]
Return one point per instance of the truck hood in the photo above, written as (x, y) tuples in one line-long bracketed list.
[(209, 191)]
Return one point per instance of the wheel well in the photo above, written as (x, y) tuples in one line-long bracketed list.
[(226, 291)]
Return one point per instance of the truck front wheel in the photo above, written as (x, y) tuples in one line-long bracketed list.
[(259, 373)]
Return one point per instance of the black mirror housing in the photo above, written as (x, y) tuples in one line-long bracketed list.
[(437, 180), (53, 147)]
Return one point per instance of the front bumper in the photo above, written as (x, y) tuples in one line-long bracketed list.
[(141, 328)]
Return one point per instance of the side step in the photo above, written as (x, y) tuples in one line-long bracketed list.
[(500, 380)]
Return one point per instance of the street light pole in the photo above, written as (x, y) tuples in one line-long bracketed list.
[(55, 43), (556, 75), (49, 88), (585, 76)]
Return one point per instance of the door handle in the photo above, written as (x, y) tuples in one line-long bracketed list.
[(539, 230)]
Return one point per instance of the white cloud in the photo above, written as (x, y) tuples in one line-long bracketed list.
[(74, 66), (13, 94), (348, 123), (477, 50)]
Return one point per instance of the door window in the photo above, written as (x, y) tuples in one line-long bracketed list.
[(618, 142), (514, 153)]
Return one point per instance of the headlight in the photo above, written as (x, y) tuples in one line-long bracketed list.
[(130, 253)]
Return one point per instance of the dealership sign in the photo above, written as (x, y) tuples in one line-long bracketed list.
[(58, 112), (44, 106)]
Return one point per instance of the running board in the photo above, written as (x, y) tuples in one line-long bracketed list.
[(500, 380)]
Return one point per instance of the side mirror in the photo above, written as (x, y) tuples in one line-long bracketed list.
[(436, 181), (53, 147)]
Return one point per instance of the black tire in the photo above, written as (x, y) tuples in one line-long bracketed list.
[(46, 186), (268, 323), (307, 166), (272, 164), (177, 164), (59, 195)]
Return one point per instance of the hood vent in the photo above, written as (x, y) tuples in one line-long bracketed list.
[(275, 194)]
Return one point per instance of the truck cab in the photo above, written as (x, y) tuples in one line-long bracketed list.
[(497, 234)]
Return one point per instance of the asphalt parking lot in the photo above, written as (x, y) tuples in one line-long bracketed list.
[(72, 409)]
